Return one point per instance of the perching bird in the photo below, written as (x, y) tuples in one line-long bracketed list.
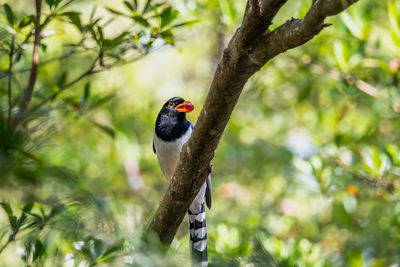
[(172, 130)]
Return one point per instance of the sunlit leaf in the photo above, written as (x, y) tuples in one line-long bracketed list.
[(167, 16), (74, 18), (26, 21), (227, 9), (39, 207)]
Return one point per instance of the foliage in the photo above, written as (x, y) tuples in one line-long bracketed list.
[(307, 171)]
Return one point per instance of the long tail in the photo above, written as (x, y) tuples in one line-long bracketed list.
[(198, 230)]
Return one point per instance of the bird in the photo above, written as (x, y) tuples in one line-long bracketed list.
[(172, 131)]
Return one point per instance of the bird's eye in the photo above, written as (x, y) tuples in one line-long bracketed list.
[(170, 104)]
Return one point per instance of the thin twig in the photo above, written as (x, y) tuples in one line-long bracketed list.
[(65, 56), (35, 64), (10, 78), (63, 88), (10, 239)]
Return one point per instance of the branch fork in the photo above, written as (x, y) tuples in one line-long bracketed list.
[(251, 47)]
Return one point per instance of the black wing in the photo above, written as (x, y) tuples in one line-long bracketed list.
[(154, 148), (208, 192)]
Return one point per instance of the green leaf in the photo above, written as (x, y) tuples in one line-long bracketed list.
[(98, 100), (49, 3), (114, 11), (56, 210), (63, 78), (28, 207), (27, 252), (26, 21), (13, 224), (93, 33), (227, 9), (186, 23), (393, 17), (139, 19), (7, 208), (108, 253), (39, 250), (53, 4), (86, 92), (352, 25), (101, 34), (75, 19), (134, 4), (147, 6), (43, 47), (37, 218), (93, 12), (9, 14), (129, 6), (21, 220), (98, 248), (11, 218), (64, 5), (39, 207), (168, 37), (111, 43), (167, 16), (107, 129), (376, 158)]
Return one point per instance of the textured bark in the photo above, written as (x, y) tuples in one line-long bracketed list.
[(251, 47)]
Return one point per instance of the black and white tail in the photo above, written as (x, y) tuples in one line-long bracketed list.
[(198, 236), (198, 228)]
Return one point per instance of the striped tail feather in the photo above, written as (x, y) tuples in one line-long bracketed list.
[(198, 235)]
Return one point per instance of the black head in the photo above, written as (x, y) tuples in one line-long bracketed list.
[(171, 122), (177, 105)]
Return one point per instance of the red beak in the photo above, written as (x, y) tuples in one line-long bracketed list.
[(185, 107)]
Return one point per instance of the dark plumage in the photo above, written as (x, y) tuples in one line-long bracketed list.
[(172, 131), (171, 124)]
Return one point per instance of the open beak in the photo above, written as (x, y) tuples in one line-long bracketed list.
[(185, 107)]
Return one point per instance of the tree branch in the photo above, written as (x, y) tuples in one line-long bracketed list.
[(252, 46), (23, 105), (9, 240)]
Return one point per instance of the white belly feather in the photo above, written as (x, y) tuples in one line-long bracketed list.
[(168, 153)]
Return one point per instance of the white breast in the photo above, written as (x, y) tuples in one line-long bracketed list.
[(168, 152)]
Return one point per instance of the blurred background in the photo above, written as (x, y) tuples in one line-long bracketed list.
[(306, 173)]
